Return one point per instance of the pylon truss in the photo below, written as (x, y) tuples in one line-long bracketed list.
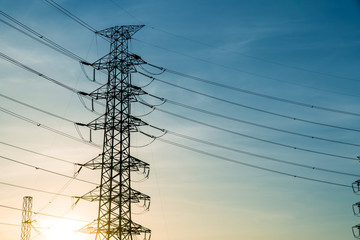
[(112, 60), (26, 222), (115, 194)]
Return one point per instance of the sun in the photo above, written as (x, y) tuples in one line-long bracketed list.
[(60, 230)]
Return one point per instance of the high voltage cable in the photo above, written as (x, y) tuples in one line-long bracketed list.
[(76, 91), (84, 24), (92, 30), (35, 108), (43, 111), (48, 113), (40, 154), (17, 63), (127, 12), (45, 41), (10, 224), (250, 165), (253, 57), (239, 70), (193, 108), (42, 191), (251, 123), (46, 170), (44, 214), (253, 108), (254, 138), (72, 55), (258, 155), (207, 112), (23, 66), (233, 51), (35, 190), (46, 127), (188, 76), (72, 16), (258, 94), (40, 38)]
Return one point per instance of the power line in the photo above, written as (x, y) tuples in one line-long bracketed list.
[(35, 108), (67, 119), (254, 138), (44, 40), (258, 155), (259, 94), (75, 18), (233, 51), (77, 91), (44, 214), (251, 123), (13, 61), (10, 224), (17, 63), (253, 57), (40, 38), (46, 170), (72, 16), (253, 108), (126, 11), (250, 165), (240, 70), (40, 154), (23, 66), (35, 190), (46, 112), (46, 127)]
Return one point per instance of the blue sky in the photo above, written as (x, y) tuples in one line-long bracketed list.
[(303, 51)]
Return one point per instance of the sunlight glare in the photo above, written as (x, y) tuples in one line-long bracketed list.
[(61, 230)]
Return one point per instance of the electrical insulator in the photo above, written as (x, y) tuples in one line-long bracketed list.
[(356, 231), (356, 208), (356, 186)]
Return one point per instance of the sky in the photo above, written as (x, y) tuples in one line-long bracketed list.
[(274, 159)]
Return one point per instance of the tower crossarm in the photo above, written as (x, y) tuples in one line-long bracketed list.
[(117, 32), (92, 164), (102, 92), (136, 165), (133, 229), (107, 62), (134, 196), (138, 229), (100, 123)]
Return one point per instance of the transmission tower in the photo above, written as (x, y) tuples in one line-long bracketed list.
[(26, 222), (115, 194)]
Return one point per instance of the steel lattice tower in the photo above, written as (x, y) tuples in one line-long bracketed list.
[(116, 195), (26, 218)]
